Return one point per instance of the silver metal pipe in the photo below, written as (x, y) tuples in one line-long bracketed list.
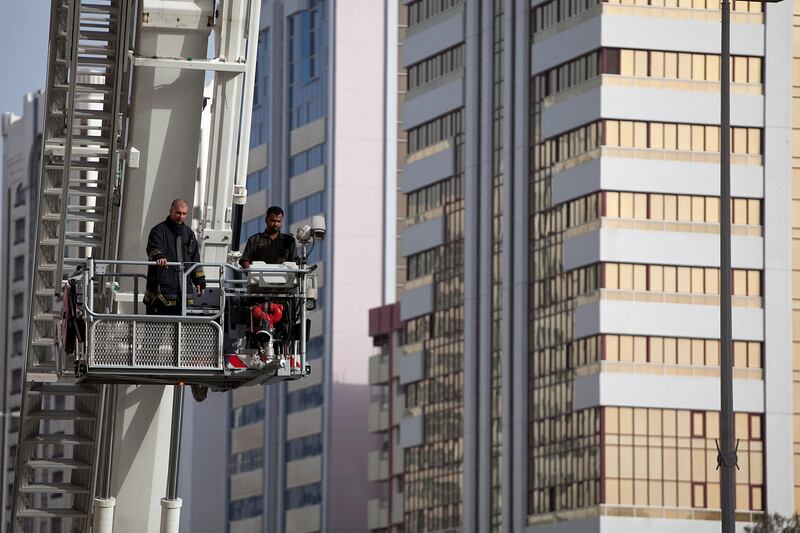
[(111, 423), (175, 443)]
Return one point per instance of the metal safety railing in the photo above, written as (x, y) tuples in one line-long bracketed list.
[(194, 337)]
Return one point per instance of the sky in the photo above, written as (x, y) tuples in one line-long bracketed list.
[(23, 51)]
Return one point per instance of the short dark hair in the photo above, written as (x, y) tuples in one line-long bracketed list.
[(274, 210)]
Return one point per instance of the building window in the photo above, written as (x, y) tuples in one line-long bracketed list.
[(257, 181), (667, 458), (306, 207), (250, 228), (315, 346), (247, 414), (303, 447), (246, 508), (19, 196), (16, 381), (305, 161), (19, 230), (303, 399), (16, 343), (303, 496), (19, 268), (18, 304), (246, 461)]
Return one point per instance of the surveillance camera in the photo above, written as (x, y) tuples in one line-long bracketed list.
[(318, 227)]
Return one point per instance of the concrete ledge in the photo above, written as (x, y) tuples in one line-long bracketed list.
[(412, 431), (423, 236), (616, 524), (660, 248), (290, 7), (417, 302), (429, 170), (647, 104), (658, 176), (642, 33), (307, 136), (434, 103), (412, 367), (665, 320), (257, 159), (641, 390), (441, 35), (307, 183)]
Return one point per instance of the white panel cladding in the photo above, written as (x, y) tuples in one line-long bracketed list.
[(424, 236), (659, 248), (412, 431), (256, 206), (646, 390), (307, 183), (643, 33), (294, 6), (412, 367), (307, 136), (304, 471), (666, 320), (257, 158), (618, 524), (426, 106), (416, 302), (657, 105), (778, 260), (428, 170), (443, 32), (247, 437), (646, 175), (247, 525), (304, 423), (247, 484)]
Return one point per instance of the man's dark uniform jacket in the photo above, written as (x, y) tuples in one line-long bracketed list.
[(163, 243), (260, 247)]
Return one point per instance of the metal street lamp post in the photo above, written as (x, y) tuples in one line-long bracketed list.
[(727, 459)]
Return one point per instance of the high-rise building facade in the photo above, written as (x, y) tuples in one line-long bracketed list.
[(557, 352), (22, 152), (296, 450)]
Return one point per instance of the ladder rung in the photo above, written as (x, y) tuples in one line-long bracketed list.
[(96, 50), (93, 61), (60, 438), (47, 317), (74, 241), (77, 217), (54, 488), (46, 292), (87, 165), (90, 35), (85, 191), (56, 146), (107, 10), (51, 513), (58, 464), (43, 341), (63, 414), (66, 390)]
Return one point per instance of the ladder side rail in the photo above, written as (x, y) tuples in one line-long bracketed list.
[(50, 97), (24, 452), (69, 117), (118, 126)]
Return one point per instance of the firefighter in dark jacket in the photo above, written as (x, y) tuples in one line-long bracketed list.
[(171, 241)]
